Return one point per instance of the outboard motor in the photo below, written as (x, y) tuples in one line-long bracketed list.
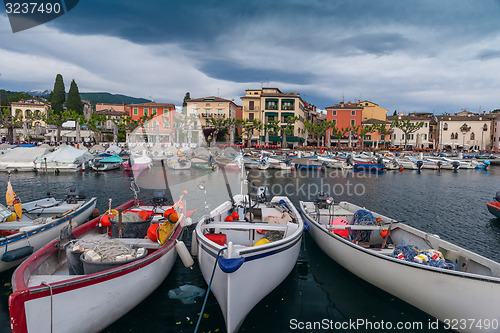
[(349, 159), (211, 160), (288, 161), (323, 200), (380, 160), (262, 193), (455, 165), (497, 196), (439, 164), (159, 198), (420, 164), (75, 193)]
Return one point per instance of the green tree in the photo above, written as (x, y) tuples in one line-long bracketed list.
[(58, 119), (249, 127), (339, 132), (96, 124), (288, 128), (318, 129), (365, 130), (407, 127), (58, 95), (74, 102), (184, 102), (216, 127), (9, 122)]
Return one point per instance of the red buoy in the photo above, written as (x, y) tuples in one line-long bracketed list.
[(153, 232)]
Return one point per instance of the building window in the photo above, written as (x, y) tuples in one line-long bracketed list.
[(154, 112), (424, 136), (195, 112), (251, 105), (368, 137), (135, 111), (394, 135), (334, 112), (366, 104), (287, 105), (334, 122), (453, 136), (445, 127), (220, 111), (382, 137), (271, 104), (166, 124), (353, 112), (353, 122), (425, 124), (145, 111), (250, 116), (207, 111), (472, 136)]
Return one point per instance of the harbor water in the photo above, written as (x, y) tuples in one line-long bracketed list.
[(449, 204)]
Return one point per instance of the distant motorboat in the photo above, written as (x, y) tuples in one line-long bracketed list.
[(106, 163), (138, 163)]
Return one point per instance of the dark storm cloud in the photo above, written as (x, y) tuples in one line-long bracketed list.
[(377, 43), (236, 72), (488, 54)]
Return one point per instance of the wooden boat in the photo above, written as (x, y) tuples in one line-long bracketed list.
[(494, 206), (280, 164), (106, 163), (331, 162), (249, 266), (41, 222), (307, 163), (228, 163), (451, 283), (368, 164), (260, 164), (52, 294)]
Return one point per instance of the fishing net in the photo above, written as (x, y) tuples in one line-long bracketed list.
[(105, 247), (362, 217), (428, 257)]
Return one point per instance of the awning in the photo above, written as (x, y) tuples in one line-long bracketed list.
[(288, 100), (271, 100), (272, 114), (287, 114), (274, 138)]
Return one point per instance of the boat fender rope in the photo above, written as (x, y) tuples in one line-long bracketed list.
[(51, 306), (208, 290)]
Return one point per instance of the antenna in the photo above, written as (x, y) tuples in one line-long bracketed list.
[(267, 79), (151, 98), (218, 92)]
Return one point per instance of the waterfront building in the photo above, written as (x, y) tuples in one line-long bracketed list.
[(372, 111), (464, 130), (160, 126), (423, 138), (344, 115), (31, 113), (270, 104), (377, 138), (204, 108), (495, 132)]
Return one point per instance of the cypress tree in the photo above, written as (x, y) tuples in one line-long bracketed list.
[(58, 95), (74, 102)]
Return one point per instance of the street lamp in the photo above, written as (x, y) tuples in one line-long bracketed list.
[(464, 129), (485, 128)]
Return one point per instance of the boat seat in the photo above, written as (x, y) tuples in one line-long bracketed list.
[(140, 242), (246, 226)]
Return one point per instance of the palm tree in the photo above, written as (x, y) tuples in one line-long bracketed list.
[(288, 128)]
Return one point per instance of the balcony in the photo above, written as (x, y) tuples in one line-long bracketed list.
[(254, 108), (213, 115)]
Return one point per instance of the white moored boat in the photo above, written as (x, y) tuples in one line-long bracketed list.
[(63, 289), (438, 277), (255, 256), (38, 223)]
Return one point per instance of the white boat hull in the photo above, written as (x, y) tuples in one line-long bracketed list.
[(264, 267), (443, 294), (39, 235)]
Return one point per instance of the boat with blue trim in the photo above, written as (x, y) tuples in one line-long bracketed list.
[(436, 276), (494, 206), (245, 249)]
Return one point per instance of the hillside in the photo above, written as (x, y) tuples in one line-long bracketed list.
[(104, 97)]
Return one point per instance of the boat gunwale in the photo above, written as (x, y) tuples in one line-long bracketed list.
[(28, 266), (378, 255), (14, 238)]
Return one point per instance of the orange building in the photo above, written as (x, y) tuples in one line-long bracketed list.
[(160, 128), (344, 115)]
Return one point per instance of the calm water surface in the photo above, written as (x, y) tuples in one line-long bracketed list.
[(449, 204)]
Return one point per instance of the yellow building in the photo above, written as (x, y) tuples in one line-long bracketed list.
[(372, 111), (30, 109), (201, 109), (270, 104)]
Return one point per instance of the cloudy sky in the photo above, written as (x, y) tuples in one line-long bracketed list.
[(435, 56)]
